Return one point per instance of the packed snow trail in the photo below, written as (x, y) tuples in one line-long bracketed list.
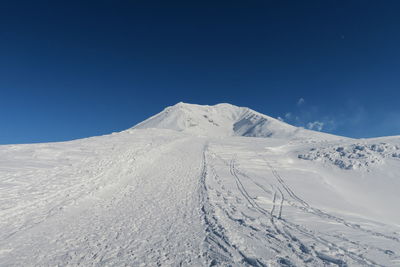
[(152, 216), (168, 196)]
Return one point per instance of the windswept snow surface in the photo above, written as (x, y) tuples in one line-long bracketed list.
[(167, 193)]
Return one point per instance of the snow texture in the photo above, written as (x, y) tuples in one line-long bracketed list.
[(194, 186), (354, 156)]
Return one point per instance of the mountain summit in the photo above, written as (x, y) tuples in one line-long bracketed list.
[(224, 120)]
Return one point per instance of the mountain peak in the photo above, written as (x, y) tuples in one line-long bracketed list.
[(221, 120), (194, 106)]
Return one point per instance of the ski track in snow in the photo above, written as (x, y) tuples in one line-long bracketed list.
[(298, 244), (158, 197)]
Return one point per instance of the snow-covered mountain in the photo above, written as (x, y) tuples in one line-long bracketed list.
[(224, 120), (202, 186)]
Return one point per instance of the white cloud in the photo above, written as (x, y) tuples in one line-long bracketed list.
[(315, 125), (300, 102), (310, 117)]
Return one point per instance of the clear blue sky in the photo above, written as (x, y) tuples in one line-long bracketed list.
[(72, 69)]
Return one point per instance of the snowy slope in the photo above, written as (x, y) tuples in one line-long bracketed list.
[(182, 189)]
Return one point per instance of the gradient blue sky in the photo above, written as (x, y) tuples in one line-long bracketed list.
[(72, 69)]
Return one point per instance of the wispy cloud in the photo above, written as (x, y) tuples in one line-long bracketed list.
[(300, 102), (307, 116), (315, 125), (348, 118)]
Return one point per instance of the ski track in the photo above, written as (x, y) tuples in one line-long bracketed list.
[(307, 246)]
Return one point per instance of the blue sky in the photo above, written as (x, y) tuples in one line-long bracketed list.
[(72, 69)]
